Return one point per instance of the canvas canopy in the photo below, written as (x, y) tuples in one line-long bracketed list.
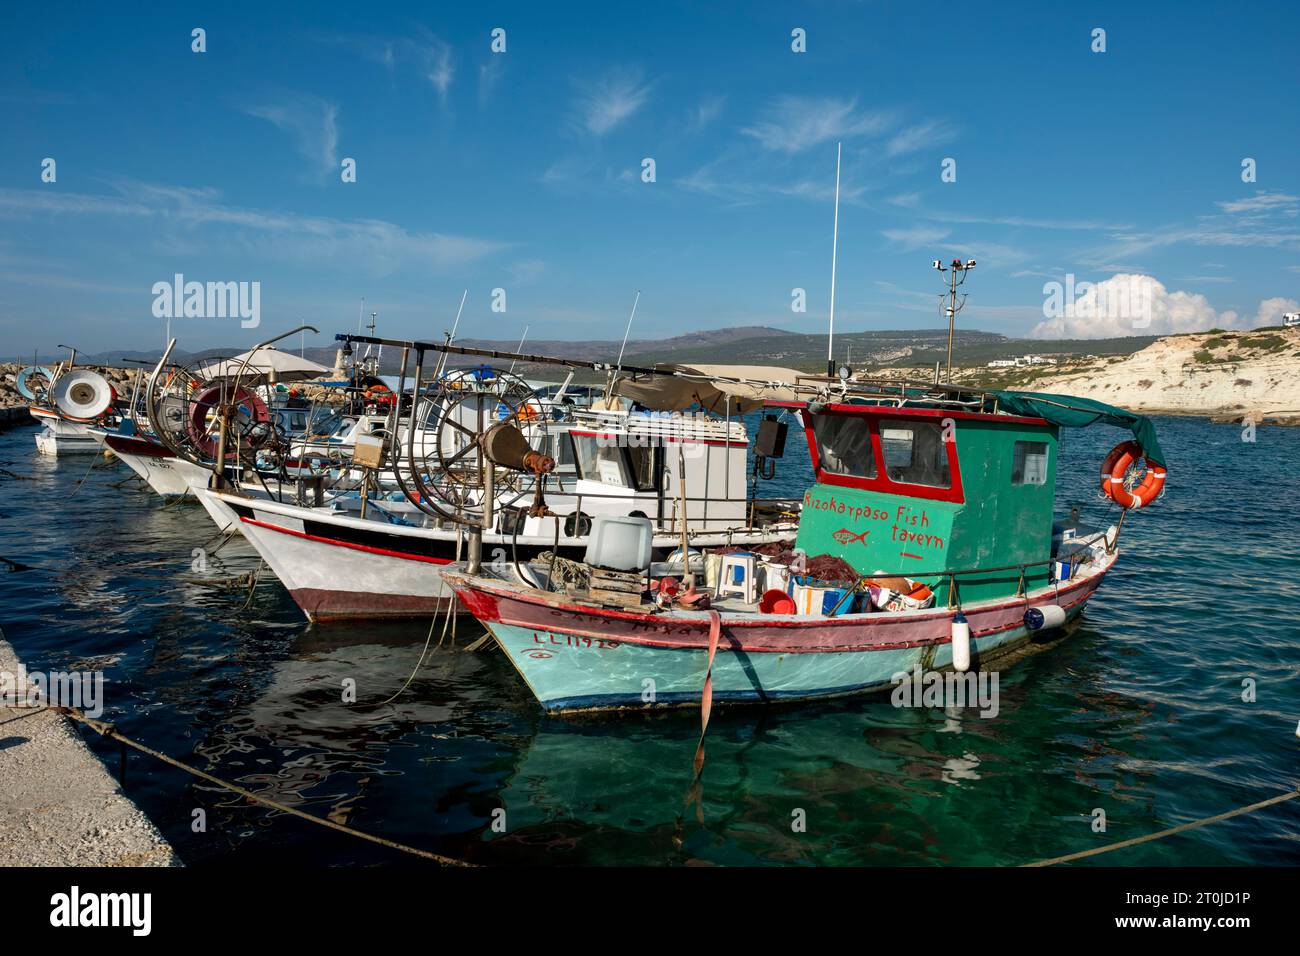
[(286, 365), (1073, 412), (709, 386)]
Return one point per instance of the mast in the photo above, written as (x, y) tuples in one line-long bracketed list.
[(948, 301), (835, 241)]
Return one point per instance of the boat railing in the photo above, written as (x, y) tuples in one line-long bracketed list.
[(954, 599)]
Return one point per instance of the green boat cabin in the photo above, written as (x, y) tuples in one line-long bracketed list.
[(918, 491)]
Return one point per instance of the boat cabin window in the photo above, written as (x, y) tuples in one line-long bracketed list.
[(562, 450), (845, 445), (600, 461), (1029, 464), (644, 471), (915, 453)]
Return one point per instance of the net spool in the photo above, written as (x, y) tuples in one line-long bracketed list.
[(82, 395), (204, 410), (27, 391)]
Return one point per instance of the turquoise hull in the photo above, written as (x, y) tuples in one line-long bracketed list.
[(567, 672)]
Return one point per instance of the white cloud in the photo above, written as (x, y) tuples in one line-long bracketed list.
[(793, 124), (1130, 304), (1271, 310), (604, 103), (313, 124)]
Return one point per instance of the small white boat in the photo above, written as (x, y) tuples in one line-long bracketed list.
[(62, 437)]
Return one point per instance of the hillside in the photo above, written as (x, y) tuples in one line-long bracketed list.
[(744, 345), (1228, 374)]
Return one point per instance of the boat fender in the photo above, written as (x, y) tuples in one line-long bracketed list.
[(1045, 617), (960, 643)]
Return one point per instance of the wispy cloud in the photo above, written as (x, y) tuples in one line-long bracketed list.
[(425, 53), (1263, 202), (1266, 220), (312, 122), (197, 219), (439, 68), (489, 77), (706, 111), (916, 237), (794, 124), (608, 100), (920, 136)]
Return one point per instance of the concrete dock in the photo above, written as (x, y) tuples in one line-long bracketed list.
[(59, 805), (14, 415)]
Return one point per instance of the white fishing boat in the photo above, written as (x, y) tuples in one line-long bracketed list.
[(379, 556)]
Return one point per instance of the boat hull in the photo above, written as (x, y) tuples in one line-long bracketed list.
[(332, 579), (161, 470), (577, 658), (63, 437)]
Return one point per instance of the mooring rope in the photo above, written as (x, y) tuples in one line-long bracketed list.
[(94, 460), (1160, 834), (111, 732), (706, 695)]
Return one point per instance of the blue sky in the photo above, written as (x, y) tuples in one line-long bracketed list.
[(522, 170)]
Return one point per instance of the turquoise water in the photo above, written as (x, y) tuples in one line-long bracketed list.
[(1138, 713)]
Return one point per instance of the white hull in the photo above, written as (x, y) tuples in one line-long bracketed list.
[(56, 444), (331, 581), (338, 566)]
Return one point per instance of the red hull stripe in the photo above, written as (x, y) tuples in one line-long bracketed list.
[(520, 610), (137, 446), (346, 544)]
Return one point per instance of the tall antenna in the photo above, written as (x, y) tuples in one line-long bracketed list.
[(521, 346), (361, 314), (626, 331), (948, 301), (451, 336), (835, 241)]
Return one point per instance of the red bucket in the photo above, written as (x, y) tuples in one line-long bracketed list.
[(776, 601)]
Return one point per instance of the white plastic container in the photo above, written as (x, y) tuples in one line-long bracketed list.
[(619, 543)]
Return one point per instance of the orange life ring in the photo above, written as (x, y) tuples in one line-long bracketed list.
[(1117, 464)]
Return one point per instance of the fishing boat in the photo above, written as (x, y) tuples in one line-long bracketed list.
[(380, 555), (937, 498), (69, 403)]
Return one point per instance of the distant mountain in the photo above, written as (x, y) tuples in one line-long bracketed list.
[(740, 345)]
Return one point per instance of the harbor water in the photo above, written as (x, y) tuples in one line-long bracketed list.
[(1177, 698)]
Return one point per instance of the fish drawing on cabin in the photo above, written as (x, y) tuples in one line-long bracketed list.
[(845, 536)]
